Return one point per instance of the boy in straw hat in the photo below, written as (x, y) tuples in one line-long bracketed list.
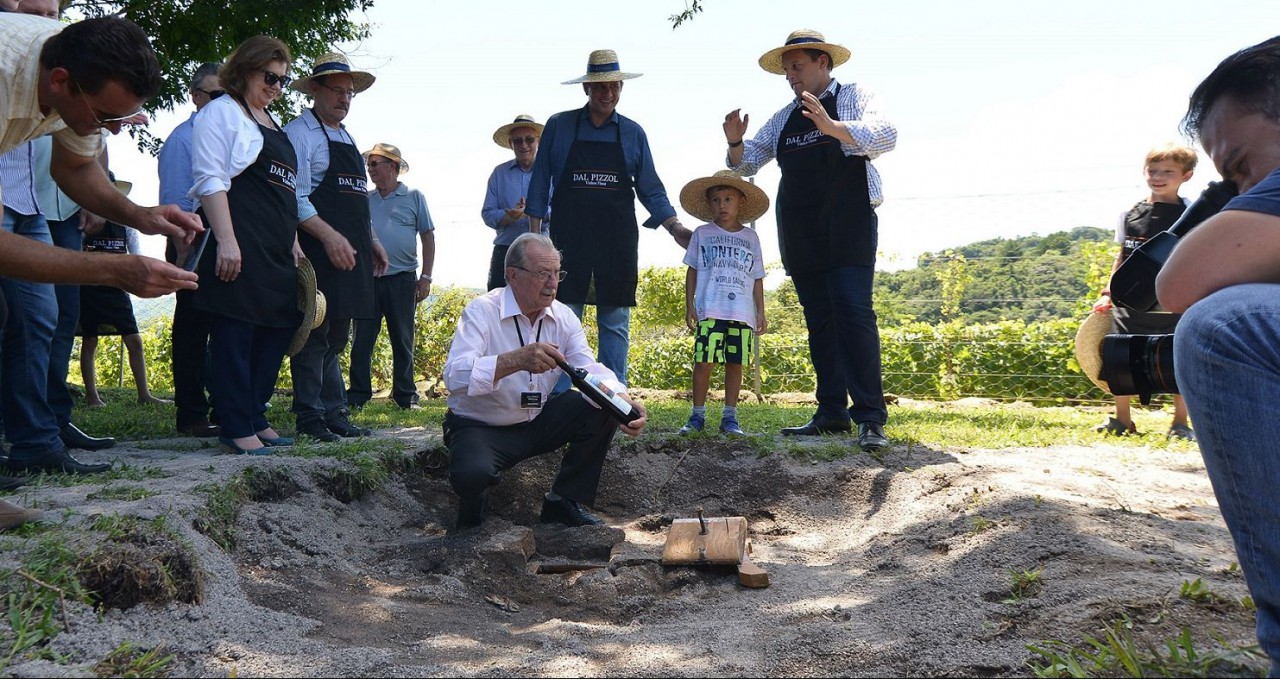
[(506, 195), (723, 289), (824, 141), (335, 234), (591, 166)]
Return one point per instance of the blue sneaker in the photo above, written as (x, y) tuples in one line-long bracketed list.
[(695, 424), (729, 427)]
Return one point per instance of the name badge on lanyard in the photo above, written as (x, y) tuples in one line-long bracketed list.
[(531, 399)]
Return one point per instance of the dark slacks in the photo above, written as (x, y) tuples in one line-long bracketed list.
[(479, 452), (190, 337), (318, 392), (394, 300), (844, 343), (247, 359), (497, 267)]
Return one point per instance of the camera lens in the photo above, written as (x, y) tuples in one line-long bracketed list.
[(1138, 364)]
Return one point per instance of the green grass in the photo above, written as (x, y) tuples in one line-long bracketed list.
[(1119, 654)]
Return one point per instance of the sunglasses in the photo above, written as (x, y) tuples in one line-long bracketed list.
[(102, 122), (271, 79), (528, 141), (212, 94), (375, 164)]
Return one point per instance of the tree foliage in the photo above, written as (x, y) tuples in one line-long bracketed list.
[(186, 33), (1034, 278)]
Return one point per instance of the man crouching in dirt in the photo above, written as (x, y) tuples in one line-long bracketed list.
[(500, 373), (1226, 276)]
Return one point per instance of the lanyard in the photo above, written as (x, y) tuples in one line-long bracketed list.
[(536, 338)]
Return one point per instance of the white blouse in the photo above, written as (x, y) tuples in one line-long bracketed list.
[(224, 141)]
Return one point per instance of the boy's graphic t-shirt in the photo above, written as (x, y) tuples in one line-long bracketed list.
[(728, 266)]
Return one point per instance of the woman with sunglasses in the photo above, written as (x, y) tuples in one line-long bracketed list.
[(244, 170)]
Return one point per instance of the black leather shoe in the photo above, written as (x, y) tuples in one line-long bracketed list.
[(816, 427), (569, 513), (72, 437), (340, 424), (11, 483), (55, 461), (871, 436), (316, 429), (471, 511), (200, 430)]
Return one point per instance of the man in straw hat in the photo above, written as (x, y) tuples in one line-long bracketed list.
[(400, 221), (1225, 276), (333, 211), (506, 196), (592, 164), (824, 141)]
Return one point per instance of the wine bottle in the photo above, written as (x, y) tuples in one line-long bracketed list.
[(596, 390)]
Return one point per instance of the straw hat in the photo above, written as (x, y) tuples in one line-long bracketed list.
[(803, 39), (1089, 347), (602, 66), (310, 302), (693, 197), (331, 64), (502, 136), (389, 152)]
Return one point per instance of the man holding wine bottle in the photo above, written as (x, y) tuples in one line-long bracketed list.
[(502, 367)]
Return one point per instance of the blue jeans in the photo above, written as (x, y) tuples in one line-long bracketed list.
[(30, 423), (248, 359), (844, 343), (1227, 362), (66, 234), (614, 324)]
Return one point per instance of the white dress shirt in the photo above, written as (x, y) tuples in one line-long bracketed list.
[(488, 328), (224, 141)]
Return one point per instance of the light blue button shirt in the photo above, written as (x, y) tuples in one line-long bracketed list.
[(311, 142)]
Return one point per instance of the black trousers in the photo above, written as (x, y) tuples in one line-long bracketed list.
[(497, 267), (190, 338), (480, 452), (393, 299)]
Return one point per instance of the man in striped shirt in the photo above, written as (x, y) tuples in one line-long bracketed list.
[(824, 141)]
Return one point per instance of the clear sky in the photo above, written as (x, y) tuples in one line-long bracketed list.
[(1013, 117)]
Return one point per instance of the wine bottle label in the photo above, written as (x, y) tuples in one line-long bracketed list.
[(615, 398)]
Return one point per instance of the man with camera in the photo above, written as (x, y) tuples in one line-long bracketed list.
[(1225, 275)]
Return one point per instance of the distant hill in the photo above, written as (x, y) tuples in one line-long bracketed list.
[(1032, 278)]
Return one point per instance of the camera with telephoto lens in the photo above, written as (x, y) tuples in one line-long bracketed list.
[(1142, 365)]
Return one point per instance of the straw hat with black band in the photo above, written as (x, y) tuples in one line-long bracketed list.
[(310, 302), (391, 153), (693, 197), (502, 136), (333, 63), (803, 39), (602, 67)]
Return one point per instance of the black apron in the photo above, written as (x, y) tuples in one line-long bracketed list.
[(342, 200), (596, 230), (264, 216), (823, 207), (1141, 222)]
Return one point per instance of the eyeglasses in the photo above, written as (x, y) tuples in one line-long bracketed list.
[(558, 274), (102, 122), (212, 94), (350, 94), (375, 164), (272, 79), (527, 141)]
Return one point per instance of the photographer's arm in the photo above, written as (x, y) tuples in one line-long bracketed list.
[(1230, 248)]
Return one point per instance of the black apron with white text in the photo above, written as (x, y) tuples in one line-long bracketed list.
[(342, 200), (1141, 222), (264, 218), (595, 229), (823, 207)]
